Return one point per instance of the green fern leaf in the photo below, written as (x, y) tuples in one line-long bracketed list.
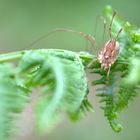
[(12, 99), (118, 91), (64, 86)]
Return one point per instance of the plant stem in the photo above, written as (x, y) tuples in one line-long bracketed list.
[(11, 56), (8, 57)]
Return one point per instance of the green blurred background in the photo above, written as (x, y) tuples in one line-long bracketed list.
[(23, 21)]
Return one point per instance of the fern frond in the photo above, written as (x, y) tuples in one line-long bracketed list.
[(12, 99), (118, 91), (61, 78), (64, 86)]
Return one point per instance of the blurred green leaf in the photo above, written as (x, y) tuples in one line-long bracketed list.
[(12, 100), (64, 86)]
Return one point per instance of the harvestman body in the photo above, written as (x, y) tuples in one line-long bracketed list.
[(110, 52)]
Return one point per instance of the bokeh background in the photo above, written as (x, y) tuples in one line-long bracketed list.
[(23, 21)]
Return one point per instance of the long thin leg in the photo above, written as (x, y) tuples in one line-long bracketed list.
[(104, 31), (108, 72), (110, 26), (118, 34), (96, 24), (88, 37)]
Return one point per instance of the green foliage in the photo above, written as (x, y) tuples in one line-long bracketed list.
[(64, 86), (13, 97), (60, 76), (61, 79), (124, 80)]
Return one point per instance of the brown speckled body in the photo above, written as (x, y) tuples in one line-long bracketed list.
[(109, 54)]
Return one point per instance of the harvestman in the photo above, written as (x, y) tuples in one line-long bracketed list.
[(110, 50)]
